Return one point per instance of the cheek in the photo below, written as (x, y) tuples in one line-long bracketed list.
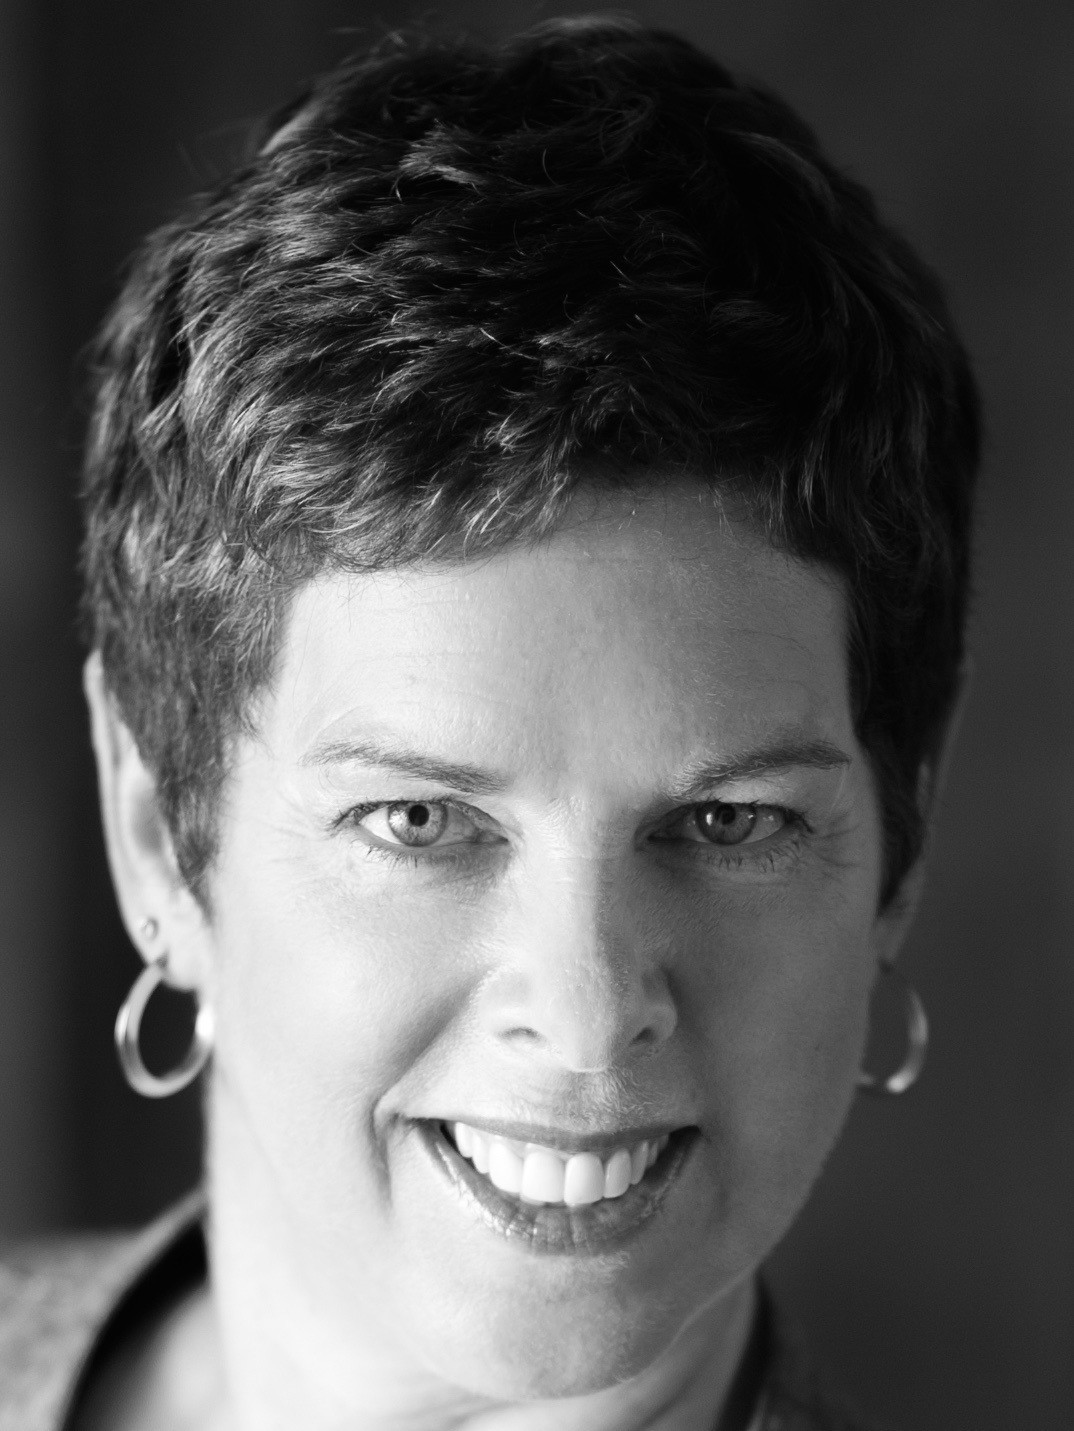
[(331, 989), (780, 1010)]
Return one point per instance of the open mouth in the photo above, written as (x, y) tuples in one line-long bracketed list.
[(538, 1174), (556, 1200)]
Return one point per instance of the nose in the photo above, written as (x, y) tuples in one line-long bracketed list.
[(583, 979)]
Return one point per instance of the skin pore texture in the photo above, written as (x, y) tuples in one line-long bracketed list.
[(576, 953)]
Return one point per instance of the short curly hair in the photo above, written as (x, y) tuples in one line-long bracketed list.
[(451, 283)]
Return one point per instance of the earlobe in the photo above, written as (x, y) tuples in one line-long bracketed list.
[(893, 922), (145, 873)]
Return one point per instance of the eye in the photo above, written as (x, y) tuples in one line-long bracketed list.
[(726, 823), (417, 824)]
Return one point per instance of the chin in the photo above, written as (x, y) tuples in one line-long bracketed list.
[(551, 1348)]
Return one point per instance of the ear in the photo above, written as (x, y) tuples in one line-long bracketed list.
[(894, 921), (933, 776), (141, 856)]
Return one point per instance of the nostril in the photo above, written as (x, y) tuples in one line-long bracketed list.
[(585, 1045), (522, 1035)]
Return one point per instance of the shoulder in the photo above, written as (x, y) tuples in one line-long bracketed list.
[(57, 1295), (798, 1397)]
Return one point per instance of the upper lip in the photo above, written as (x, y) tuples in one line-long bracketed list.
[(569, 1140)]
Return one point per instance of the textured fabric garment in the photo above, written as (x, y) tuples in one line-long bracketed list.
[(60, 1298), (56, 1298)]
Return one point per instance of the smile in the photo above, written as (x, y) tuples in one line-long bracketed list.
[(558, 1200), (539, 1174)]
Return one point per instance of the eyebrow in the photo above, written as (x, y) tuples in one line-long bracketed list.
[(469, 779), (782, 753), (779, 754)]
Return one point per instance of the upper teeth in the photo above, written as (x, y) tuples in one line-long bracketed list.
[(539, 1174)]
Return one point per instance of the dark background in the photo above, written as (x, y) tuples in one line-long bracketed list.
[(934, 1266)]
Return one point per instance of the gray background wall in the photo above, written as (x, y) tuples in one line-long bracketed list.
[(935, 1265)]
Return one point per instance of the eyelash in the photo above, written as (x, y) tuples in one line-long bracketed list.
[(767, 855)]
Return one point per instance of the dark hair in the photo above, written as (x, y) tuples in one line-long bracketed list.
[(452, 285)]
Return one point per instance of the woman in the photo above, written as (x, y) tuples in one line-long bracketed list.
[(526, 559)]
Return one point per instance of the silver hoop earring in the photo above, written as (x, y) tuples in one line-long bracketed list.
[(917, 1042), (128, 1026)]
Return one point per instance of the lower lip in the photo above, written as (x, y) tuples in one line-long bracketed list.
[(554, 1228)]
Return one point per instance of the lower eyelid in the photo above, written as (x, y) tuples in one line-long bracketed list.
[(768, 855)]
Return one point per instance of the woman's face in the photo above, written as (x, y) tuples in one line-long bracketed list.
[(575, 846)]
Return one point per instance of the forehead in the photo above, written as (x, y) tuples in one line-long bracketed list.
[(640, 626)]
